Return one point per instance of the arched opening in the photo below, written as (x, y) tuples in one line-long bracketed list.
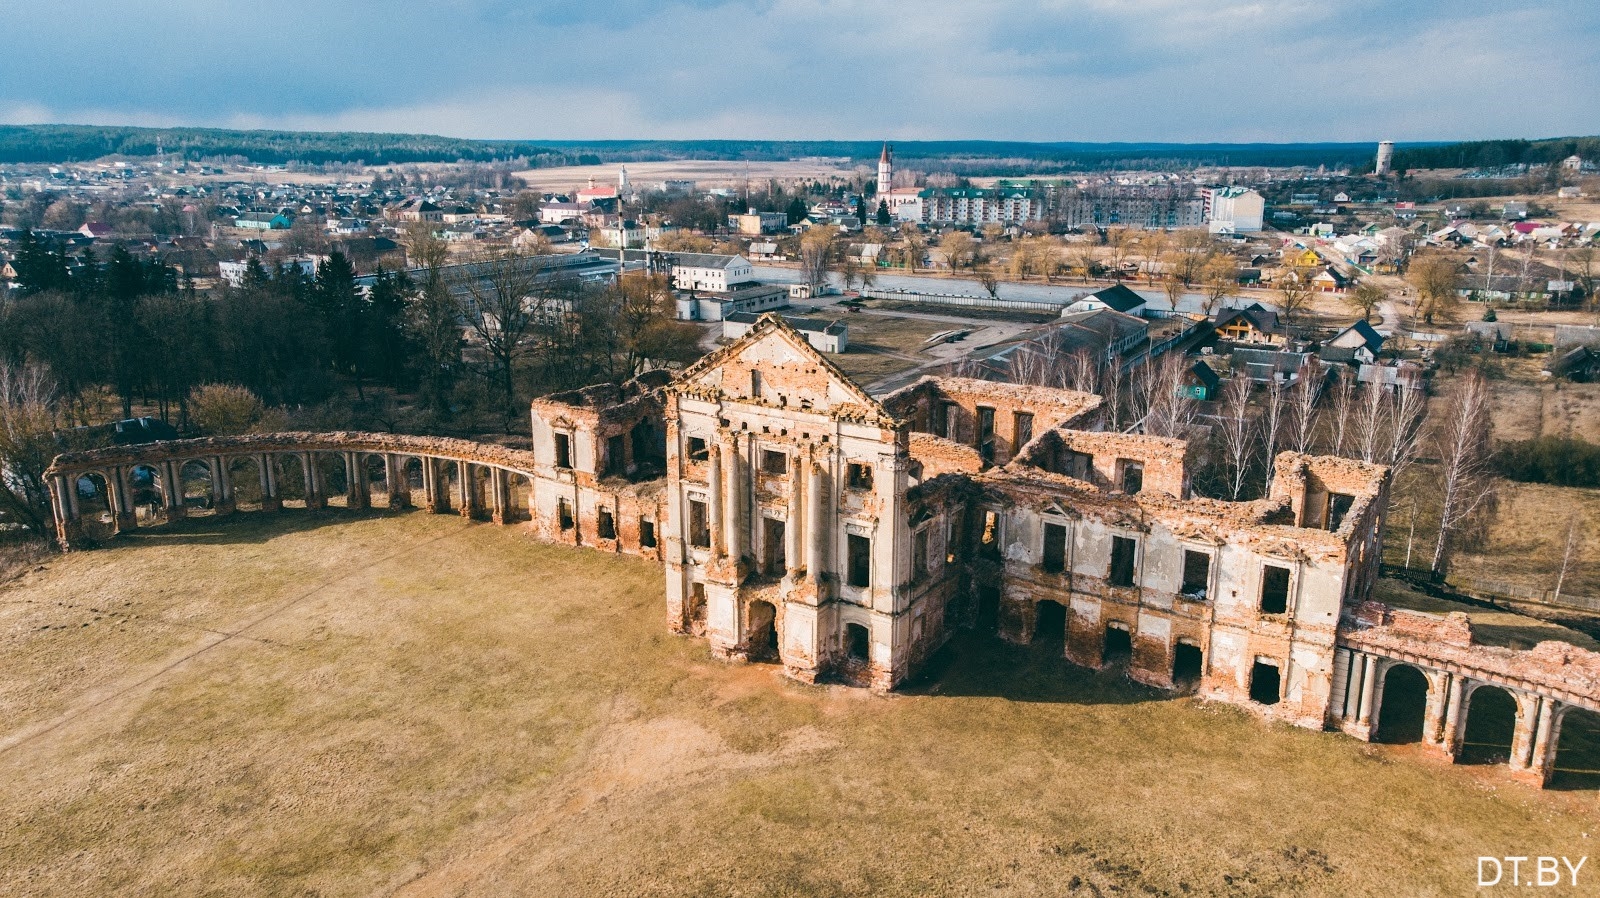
[(1491, 724), (478, 489), (1050, 622), (1118, 646), (521, 489), (291, 479), (244, 475), (1188, 665), (1403, 706), (194, 482), (376, 471), (95, 514), (145, 491), (857, 643), (1577, 761), (761, 632), (333, 477)]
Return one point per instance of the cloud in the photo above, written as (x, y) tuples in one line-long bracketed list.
[(1006, 69)]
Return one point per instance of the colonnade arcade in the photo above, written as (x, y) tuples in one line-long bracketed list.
[(1469, 716), (103, 492)]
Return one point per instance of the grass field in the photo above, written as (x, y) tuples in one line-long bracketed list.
[(416, 705)]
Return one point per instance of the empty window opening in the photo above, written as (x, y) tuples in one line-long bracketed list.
[(1049, 622), (774, 552), (943, 417), (860, 554), (1274, 589), (1079, 465), (563, 450), (773, 462), (1055, 548), (755, 384), (616, 455), (698, 450), (564, 514), (1264, 683), (1132, 480), (1123, 551), (919, 553), (1023, 422), (1187, 664), (1196, 573), (990, 541), (1338, 506), (699, 525), (606, 525), (1118, 646), (986, 433), (857, 642), (647, 534), (644, 443), (858, 476)]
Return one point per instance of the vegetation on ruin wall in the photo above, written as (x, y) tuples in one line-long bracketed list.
[(416, 701), (76, 143)]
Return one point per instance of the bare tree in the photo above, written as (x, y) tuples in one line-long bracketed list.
[(1344, 400), (1407, 411), (1465, 486), (816, 257), (1369, 421), (28, 420), (1169, 409), (501, 298), (959, 248), (988, 280), (1437, 279), (1365, 298), (1112, 387), (1237, 432), (1220, 278), (1302, 402), (1273, 415), (1083, 371), (1294, 291)]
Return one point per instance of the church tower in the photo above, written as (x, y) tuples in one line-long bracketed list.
[(885, 173)]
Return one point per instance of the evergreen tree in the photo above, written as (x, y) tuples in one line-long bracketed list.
[(797, 211), (884, 219)]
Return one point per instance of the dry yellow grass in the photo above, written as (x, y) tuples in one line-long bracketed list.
[(416, 705)]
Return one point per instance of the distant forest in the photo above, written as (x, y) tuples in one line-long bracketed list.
[(78, 143), (1494, 153)]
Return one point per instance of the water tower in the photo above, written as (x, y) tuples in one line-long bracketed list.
[(1385, 157)]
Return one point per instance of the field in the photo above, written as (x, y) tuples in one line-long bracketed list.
[(705, 173), (414, 705)]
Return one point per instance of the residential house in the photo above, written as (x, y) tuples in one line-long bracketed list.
[(1118, 298), (711, 272), (263, 221), (1251, 325), (824, 336), (1359, 343)]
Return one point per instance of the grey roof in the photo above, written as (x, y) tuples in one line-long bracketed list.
[(1118, 297), (833, 328), (1369, 335), (703, 260)]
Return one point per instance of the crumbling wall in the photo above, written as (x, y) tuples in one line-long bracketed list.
[(949, 407)]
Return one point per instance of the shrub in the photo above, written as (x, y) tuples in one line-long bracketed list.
[(1562, 461)]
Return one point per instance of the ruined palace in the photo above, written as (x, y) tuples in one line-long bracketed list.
[(803, 522)]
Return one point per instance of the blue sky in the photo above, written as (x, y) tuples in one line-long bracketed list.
[(1092, 70)]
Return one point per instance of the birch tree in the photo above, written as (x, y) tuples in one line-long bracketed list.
[(1465, 485)]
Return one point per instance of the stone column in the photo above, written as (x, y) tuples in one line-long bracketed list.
[(316, 491), (270, 500), (1368, 682), (817, 526), (792, 543), (121, 502), (733, 494), (221, 486), (1450, 738), (471, 505), (394, 478), (1438, 703), (173, 490), (1341, 662), (1523, 737), (714, 500), (357, 490), (498, 499), (64, 506), (430, 486), (1542, 749)]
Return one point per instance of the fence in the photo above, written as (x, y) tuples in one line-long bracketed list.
[(961, 300)]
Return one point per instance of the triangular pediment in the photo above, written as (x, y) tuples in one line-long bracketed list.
[(774, 365)]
